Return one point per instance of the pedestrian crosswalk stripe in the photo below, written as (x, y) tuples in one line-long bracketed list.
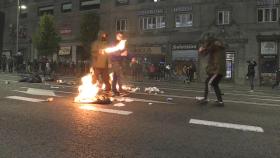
[(25, 99), (227, 125), (96, 109)]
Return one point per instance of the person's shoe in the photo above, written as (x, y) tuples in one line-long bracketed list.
[(251, 91), (219, 103)]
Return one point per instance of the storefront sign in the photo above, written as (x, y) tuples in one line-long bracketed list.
[(268, 2), (148, 50), (183, 9), (184, 46), (268, 48), (65, 31), (150, 12), (65, 51), (122, 2)]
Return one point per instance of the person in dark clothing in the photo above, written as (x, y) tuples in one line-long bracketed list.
[(277, 79), (251, 73), (10, 65), (216, 68), (4, 63), (101, 61)]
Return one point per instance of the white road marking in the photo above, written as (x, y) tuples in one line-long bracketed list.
[(43, 92), (227, 125), (92, 108), (226, 101), (25, 99), (236, 94)]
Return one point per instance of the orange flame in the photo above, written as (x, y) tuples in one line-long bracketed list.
[(118, 47), (87, 91)]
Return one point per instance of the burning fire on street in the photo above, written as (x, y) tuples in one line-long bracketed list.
[(89, 92)]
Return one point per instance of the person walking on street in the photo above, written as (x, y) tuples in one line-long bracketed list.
[(277, 79), (216, 68), (101, 61), (251, 73)]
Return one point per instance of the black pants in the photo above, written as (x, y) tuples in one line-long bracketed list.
[(213, 80)]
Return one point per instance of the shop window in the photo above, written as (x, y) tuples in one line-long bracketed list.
[(89, 4), (267, 14), (184, 20), (45, 10), (121, 25), (66, 7)]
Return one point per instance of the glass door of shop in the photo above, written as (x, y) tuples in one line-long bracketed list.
[(230, 57)]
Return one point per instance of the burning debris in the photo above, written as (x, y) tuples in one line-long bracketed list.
[(90, 93)]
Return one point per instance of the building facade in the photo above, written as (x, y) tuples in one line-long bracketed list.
[(164, 30), (171, 29)]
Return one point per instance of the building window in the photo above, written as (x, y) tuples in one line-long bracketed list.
[(89, 4), (184, 20), (267, 14), (152, 22), (122, 2), (66, 7), (223, 17), (121, 25), (45, 10)]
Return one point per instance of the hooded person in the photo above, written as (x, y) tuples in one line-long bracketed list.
[(100, 60), (216, 67)]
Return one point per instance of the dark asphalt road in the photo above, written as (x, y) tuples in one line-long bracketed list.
[(60, 129)]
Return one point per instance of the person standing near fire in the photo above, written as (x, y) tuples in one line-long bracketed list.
[(216, 68), (117, 60), (101, 61)]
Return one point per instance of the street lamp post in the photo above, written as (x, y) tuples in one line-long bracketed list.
[(19, 7), (17, 27)]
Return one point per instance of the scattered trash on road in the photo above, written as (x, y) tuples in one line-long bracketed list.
[(50, 99), (169, 99), (150, 103), (150, 90), (7, 82)]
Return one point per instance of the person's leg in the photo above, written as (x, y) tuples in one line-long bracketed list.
[(114, 82), (206, 90), (106, 78), (216, 87), (251, 79)]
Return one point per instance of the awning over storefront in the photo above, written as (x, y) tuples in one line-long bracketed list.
[(185, 55)]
